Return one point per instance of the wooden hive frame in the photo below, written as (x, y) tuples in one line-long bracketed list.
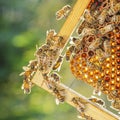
[(93, 110)]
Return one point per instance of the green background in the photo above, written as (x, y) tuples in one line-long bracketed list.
[(23, 25)]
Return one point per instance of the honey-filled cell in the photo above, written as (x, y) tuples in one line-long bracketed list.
[(112, 87), (118, 48), (118, 54), (112, 81), (106, 78), (118, 86), (118, 73), (118, 61)]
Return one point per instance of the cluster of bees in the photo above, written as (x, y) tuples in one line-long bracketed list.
[(45, 60), (47, 53), (80, 106), (94, 54), (46, 56), (28, 74)]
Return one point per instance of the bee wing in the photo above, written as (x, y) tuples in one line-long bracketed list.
[(67, 8), (62, 92), (59, 15), (71, 42), (32, 61), (79, 109), (22, 87), (57, 101), (79, 116), (21, 74), (93, 97), (25, 68), (58, 69), (27, 91)]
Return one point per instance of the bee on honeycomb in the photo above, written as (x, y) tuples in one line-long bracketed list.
[(95, 57)]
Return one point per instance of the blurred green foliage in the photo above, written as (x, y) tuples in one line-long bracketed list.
[(23, 24)]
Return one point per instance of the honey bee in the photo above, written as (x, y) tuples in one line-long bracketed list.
[(88, 31), (26, 86), (38, 51), (84, 116), (75, 41), (53, 53), (50, 84), (41, 57), (80, 106), (45, 48), (96, 100), (114, 9), (115, 19), (33, 65), (51, 37), (27, 73), (106, 29), (58, 63), (101, 18), (95, 44), (113, 2), (55, 77), (94, 62), (53, 40), (69, 52), (107, 48), (97, 90), (61, 42), (104, 4), (81, 26), (116, 105), (44, 65), (88, 17), (60, 95), (63, 12), (100, 54), (95, 13), (41, 51)]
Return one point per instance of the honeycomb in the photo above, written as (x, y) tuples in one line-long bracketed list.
[(97, 60)]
